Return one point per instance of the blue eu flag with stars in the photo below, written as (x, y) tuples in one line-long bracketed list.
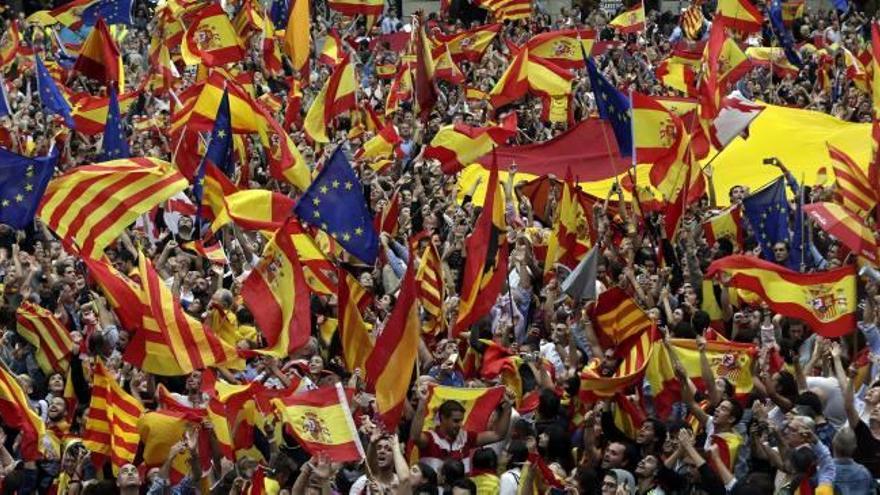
[(335, 203), (613, 106), (114, 146), (51, 97), (767, 211), (220, 147), (23, 181), (113, 12)]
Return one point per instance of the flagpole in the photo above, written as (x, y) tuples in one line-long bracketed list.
[(803, 224)]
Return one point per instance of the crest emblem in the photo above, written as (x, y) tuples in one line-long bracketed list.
[(562, 49), (825, 303), (313, 428), (729, 365), (206, 38)]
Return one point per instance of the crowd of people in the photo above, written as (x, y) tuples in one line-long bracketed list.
[(809, 421)]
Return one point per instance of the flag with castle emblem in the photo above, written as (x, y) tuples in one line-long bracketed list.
[(23, 181), (114, 145), (335, 203)]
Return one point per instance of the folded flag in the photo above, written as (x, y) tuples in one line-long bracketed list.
[(100, 58), (115, 144), (335, 203), (18, 415), (23, 180), (90, 205), (632, 20), (322, 424), (111, 425), (826, 301), (51, 97), (211, 39), (50, 338), (459, 145)]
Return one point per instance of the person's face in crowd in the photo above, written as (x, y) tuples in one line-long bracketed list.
[(384, 303), (647, 467), (405, 130), (195, 307), (128, 476), (366, 280), (56, 384), (384, 453), (415, 475), (609, 485), (793, 433), (874, 415), (872, 396), (796, 331), (185, 227), (609, 363), (755, 319), (57, 409), (451, 425), (646, 434), (613, 456), (677, 316), (316, 365), (194, 382), (780, 252), (736, 194), (723, 416)]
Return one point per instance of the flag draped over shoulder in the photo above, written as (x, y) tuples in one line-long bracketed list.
[(826, 301), (42, 330), (111, 426), (17, 414), (277, 294), (23, 180), (321, 421), (486, 264), (391, 364), (457, 146), (90, 205)]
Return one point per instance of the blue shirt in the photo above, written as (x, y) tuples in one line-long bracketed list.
[(852, 478)]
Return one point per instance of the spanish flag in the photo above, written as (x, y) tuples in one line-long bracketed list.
[(655, 130), (432, 293), (562, 247), (561, 48), (214, 253), (91, 205), (321, 421), (425, 88), (211, 39), (159, 431), (352, 8), (90, 112), (772, 57), (445, 69), (278, 296), (51, 339), (725, 64), (479, 404), (9, 45), (459, 145), (630, 21), (826, 301), (729, 360), (354, 332), (336, 96), (726, 224), (332, 51), (99, 58), (172, 343), (856, 192), (466, 45), (297, 38), (678, 76), (17, 414), (317, 267), (739, 15), (111, 426), (391, 364), (384, 144), (514, 82), (634, 355)]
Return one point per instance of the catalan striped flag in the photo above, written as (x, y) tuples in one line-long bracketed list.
[(562, 48), (429, 279), (90, 205), (211, 40), (321, 421), (486, 265), (51, 339), (9, 45), (857, 194), (124, 294), (100, 59), (846, 226), (479, 403), (467, 45), (352, 8), (172, 343), (618, 317), (390, 365), (278, 296), (632, 20), (354, 332), (726, 224), (875, 64), (692, 21), (336, 96), (458, 145), (826, 301), (17, 414), (792, 11), (111, 430), (739, 15), (634, 354), (507, 10)]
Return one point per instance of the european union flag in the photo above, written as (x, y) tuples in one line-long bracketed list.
[(23, 181), (113, 12), (783, 34), (220, 147), (335, 203), (767, 211), (613, 106), (115, 145), (278, 12), (51, 97)]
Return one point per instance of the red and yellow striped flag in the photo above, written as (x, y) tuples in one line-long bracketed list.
[(99, 57), (826, 301), (390, 365), (630, 21), (677, 76), (352, 8), (727, 224), (278, 296), (562, 247), (171, 342), (111, 430), (692, 21), (211, 40), (855, 191), (383, 145), (467, 45), (618, 317), (332, 51), (445, 69), (658, 132), (91, 205), (724, 63), (90, 112), (739, 15), (432, 293), (258, 209), (792, 11), (39, 326), (507, 10), (354, 333), (213, 253), (336, 96), (459, 145), (846, 226), (321, 421), (634, 356), (17, 414)]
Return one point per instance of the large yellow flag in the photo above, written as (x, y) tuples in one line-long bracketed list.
[(297, 41)]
